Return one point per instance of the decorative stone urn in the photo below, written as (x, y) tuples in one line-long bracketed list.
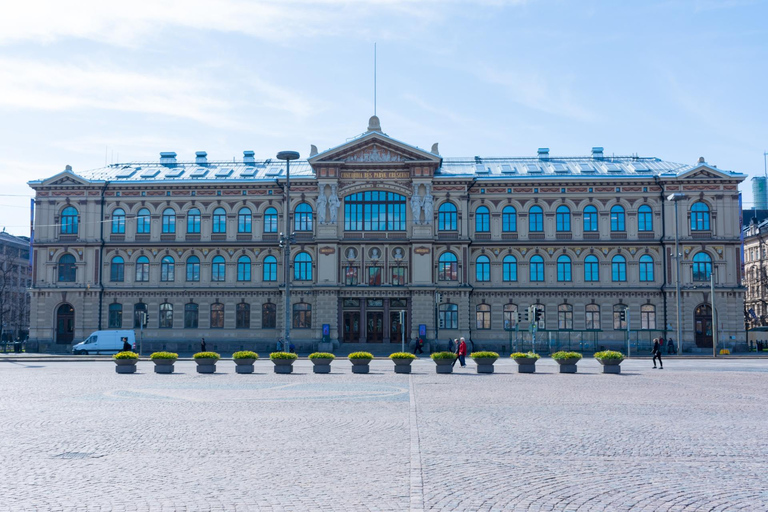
[(443, 365), (244, 365), (321, 364), (125, 365), (484, 361), (283, 365), (206, 364), (402, 365), (526, 364), (164, 365), (360, 365), (568, 365), (610, 365)]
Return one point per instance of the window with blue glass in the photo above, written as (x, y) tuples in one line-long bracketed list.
[(193, 268), (118, 221), (509, 219), (446, 217), (509, 268), (646, 268), (244, 220), (142, 269), (302, 267), (67, 269), (618, 269), (117, 270), (535, 219), (564, 268), (702, 267), (167, 269), (645, 218), (591, 269), (374, 210), (302, 218), (563, 217), (244, 268), (590, 219), (699, 217), (270, 269), (143, 222), (270, 220), (193, 221), (218, 269), (482, 220), (447, 267), (617, 219), (483, 268), (169, 220), (219, 220), (69, 221), (536, 268)]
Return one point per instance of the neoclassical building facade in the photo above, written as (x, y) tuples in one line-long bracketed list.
[(389, 241)]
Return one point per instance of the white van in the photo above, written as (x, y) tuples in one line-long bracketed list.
[(104, 342)]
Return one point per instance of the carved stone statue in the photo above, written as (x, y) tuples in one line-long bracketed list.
[(416, 207), (428, 205), (333, 204), (322, 201)]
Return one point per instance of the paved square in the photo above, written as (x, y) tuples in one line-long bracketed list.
[(77, 436)]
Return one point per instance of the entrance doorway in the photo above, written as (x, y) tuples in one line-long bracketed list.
[(395, 327), (351, 326), (702, 323), (375, 324), (65, 324)]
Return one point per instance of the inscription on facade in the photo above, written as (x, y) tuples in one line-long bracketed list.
[(374, 175)]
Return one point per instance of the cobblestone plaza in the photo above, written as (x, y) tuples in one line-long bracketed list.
[(77, 436)]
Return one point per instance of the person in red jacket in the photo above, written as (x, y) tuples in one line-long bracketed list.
[(462, 352)]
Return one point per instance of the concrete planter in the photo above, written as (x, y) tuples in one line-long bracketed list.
[(244, 365), (163, 365), (360, 365), (567, 365), (443, 365), (526, 364), (125, 365), (402, 365), (206, 365), (610, 365), (484, 364), (321, 365), (283, 365)]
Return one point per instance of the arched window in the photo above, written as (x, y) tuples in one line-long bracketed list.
[(302, 267), (482, 220), (448, 316), (648, 316), (244, 220), (117, 270), (593, 317), (166, 315), (302, 218), (69, 221), (446, 217), (270, 269), (509, 219), (591, 269), (536, 269), (191, 315), (115, 316), (644, 218), (142, 269), (510, 316), (565, 317), (167, 269), (374, 210), (193, 221), (118, 221), (699, 217), (302, 316), (219, 220), (646, 268), (139, 315), (563, 217), (67, 269), (193, 268), (143, 222), (590, 219), (243, 316), (268, 316), (617, 219), (564, 268), (217, 315), (509, 268), (483, 316), (244, 268), (169, 220), (702, 267), (535, 219), (618, 269), (447, 267), (483, 268), (218, 269), (270, 220)]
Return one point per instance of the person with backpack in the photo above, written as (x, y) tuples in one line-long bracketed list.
[(657, 353), (126, 345), (419, 346)]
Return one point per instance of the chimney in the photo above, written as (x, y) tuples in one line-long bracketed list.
[(701, 160), (248, 158), (168, 158), (597, 153), (201, 158), (543, 153)]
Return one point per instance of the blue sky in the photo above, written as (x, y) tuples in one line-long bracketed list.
[(86, 81)]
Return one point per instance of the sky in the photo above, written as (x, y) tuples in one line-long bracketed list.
[(85, 82)]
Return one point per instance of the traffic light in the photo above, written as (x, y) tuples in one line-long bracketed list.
[(439, 297), (538, 314), (623, 315)]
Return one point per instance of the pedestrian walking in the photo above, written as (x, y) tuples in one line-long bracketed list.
[(455, 350), (461, 352), (419, 346), (670, 346), (657, 353), (291, 348), (202, 345), (126, 345)]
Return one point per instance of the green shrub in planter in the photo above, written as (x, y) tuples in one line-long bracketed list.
[(283, 355), (207, 355), (322, 355), (245, 354), (321, 362), (126, 355), (609, 355), (163, 355), (563, 355), (125, 362), (244, 361), (360, 361), (360, 355), (206, 361), (283, 361), (164, 361), (484, 360), (402, 361), (443, 361), (526, 361), (443, 355), (525, 355), (484, 355), (402, 355)]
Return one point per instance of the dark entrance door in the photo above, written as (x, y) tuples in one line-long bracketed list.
[(395, 327), (65, 324), (375, 324), (351, 326), (702, 323)]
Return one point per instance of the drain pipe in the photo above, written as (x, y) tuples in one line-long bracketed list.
[(101, 256), (663, 250)]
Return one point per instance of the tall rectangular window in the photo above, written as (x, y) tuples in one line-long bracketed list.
[(115, 316), (374, 276)]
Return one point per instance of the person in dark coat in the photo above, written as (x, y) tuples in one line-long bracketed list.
[(657, 353), (126, 345), (461, 352), (419, 346), (202, 345)]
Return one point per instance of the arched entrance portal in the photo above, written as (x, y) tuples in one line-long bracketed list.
[(702, 325), (65, 324)]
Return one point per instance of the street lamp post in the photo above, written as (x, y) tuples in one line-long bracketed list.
[(285, 243), (676, 197)]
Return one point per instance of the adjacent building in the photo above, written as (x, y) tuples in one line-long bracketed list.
[(389, 241), (15, 280)]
